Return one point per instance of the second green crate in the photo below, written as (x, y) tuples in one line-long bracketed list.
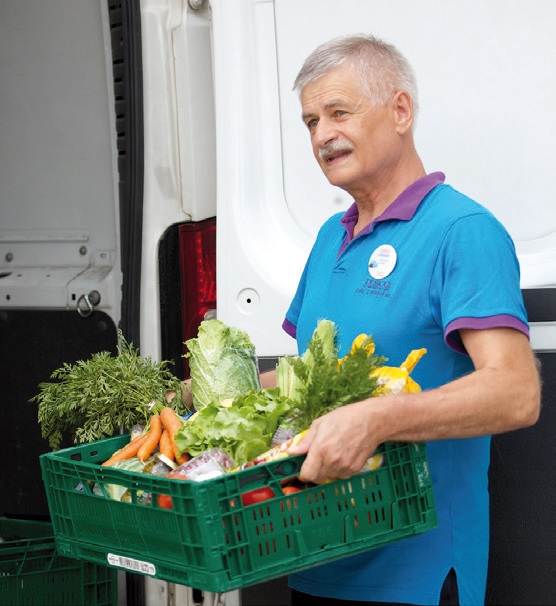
[(32, 574)]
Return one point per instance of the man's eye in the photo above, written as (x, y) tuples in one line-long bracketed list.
[(340, 112), (312, 123)]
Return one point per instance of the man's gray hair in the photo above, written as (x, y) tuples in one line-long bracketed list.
[(381, 67)]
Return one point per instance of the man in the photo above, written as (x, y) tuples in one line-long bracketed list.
[(415, 264)]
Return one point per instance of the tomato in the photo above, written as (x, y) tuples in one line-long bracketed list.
[(257, 496), (165, 501), (290, 489)]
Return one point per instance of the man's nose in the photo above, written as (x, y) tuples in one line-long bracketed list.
[(324, 133)]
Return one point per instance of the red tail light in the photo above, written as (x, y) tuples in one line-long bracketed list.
[(198, 275)]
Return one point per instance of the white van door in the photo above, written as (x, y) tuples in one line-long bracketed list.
[(485, 71)]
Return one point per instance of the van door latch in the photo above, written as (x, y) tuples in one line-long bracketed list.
[(86, 303)]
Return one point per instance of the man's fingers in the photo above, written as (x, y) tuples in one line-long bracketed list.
[(303, 445), (310, 470)]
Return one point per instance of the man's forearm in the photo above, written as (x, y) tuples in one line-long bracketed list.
[(488, 401), (268, 379)]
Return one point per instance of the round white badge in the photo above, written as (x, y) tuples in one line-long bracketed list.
[(382, 261)]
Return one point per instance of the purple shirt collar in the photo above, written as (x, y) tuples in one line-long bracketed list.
[(402, 208)]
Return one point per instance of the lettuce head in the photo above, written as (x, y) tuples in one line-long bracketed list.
[(222, 362)]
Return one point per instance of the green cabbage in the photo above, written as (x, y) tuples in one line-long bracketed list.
[(222, 362)]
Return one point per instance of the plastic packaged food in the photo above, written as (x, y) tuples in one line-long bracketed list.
[(281, 451), (162, 465), (212, 463), (277, 452)]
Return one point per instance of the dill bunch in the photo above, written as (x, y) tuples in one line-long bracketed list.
[(97, 398)]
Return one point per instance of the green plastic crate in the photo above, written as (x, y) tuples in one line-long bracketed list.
[(32, 574), (209, 540)]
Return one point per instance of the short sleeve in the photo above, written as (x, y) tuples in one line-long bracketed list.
[(476, 281)]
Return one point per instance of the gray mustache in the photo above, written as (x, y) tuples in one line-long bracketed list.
[(334, 146)]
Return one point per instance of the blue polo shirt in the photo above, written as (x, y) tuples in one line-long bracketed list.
[(433, 263)]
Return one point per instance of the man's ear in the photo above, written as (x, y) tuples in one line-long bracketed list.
[(402, 107)]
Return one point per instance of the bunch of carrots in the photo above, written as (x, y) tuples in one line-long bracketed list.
[(163, 427)]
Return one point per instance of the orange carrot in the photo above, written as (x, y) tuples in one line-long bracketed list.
[(172, 422), (127, 452), (165, 445), (154, 433), (183, 458)]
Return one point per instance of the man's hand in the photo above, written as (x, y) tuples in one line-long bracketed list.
[(338, 443), (185, 394)]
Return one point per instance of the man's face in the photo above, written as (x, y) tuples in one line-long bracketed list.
[(352, 139)]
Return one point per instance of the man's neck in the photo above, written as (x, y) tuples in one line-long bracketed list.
[(372, 202)]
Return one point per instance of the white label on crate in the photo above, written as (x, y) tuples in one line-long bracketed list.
[(131, 564)]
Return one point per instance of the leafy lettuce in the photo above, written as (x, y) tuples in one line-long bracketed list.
[(223, 363), (244, 427)]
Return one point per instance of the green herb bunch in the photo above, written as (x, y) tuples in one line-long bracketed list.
[(99, 397), (323, 382)]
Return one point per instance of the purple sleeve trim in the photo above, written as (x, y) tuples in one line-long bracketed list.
[(453, 340), (289, 328)]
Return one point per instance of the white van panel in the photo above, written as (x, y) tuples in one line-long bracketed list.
[(179, 138), (261, 248), (58, 199), (485, 73), (178, 113)]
